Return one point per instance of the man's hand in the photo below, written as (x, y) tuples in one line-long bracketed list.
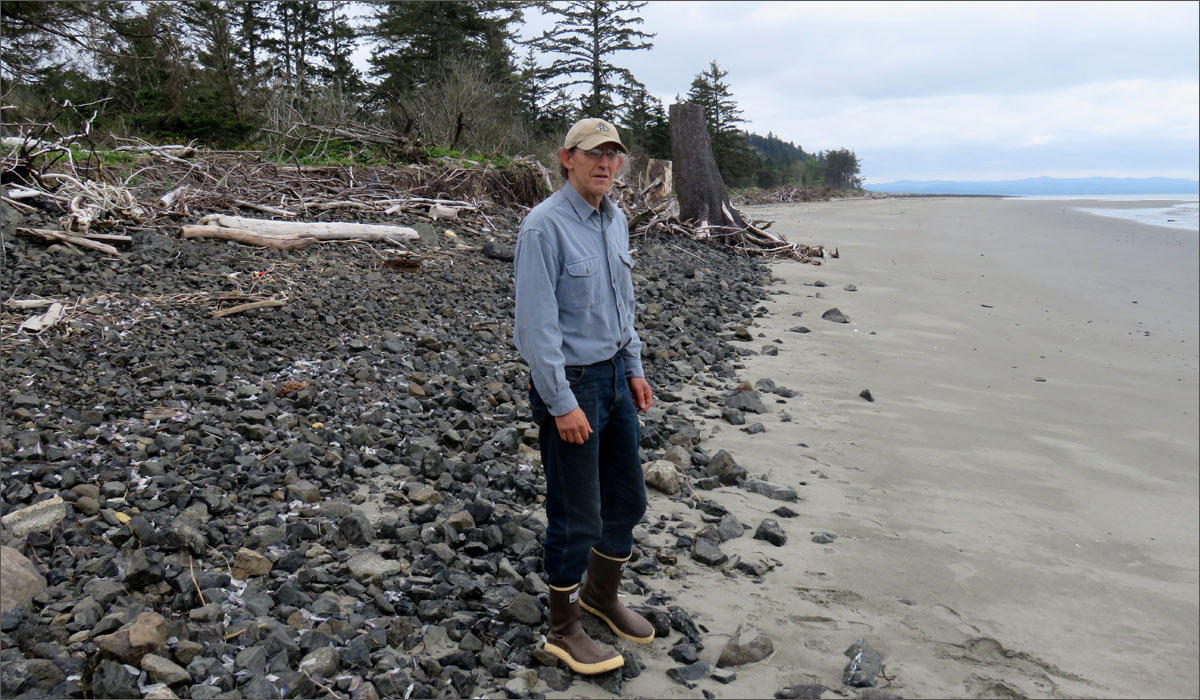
[(573, 427), (643, 397)]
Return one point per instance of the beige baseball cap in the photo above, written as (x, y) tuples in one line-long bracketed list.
[(590, 133)]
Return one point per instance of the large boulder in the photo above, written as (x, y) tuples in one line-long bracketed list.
[(20, 581)]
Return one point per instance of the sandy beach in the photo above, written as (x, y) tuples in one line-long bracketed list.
[(1016, 512)]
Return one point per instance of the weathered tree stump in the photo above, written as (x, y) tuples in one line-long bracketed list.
[(702, 194)]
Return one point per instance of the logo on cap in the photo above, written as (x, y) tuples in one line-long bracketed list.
[(601, 127)]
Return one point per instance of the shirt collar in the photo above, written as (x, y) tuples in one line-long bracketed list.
[(582, 209)]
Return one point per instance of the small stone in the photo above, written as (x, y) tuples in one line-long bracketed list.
[(805, 691), (247, 563), (800, 329), (747, 645), (112, 679), (723, 466), (162, 670), (850, 288), (522, 608), (836, 316), (864, 666), (748, 401), (706, 552), (663, 476), (370, 567), (186, 650), (765, 488), (497, 251), (729, 528), (723, 677), (305, 491), (148, 630), (770, 531), (357, 529), (461, 521), (684, 652), (824, 537), (323, 661), (785, 512), (685, 675), (866, 394)]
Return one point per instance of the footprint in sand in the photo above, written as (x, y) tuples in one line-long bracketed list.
[(962, 573)]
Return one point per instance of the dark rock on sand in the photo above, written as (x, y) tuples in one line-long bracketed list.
[(770, 531), (835, 315), (804, 691), (864, 666)]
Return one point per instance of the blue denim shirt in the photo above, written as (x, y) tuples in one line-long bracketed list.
[(574, 288)]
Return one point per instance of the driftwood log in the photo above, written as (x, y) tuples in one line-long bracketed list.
[(703, 197), (321, 230), (240, 235), (293, 235)]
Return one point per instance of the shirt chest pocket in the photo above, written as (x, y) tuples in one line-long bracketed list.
[(579, 285)]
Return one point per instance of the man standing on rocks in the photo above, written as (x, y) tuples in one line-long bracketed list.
[(574, 326)]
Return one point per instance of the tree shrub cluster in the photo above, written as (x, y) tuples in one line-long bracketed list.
[(453, 75)]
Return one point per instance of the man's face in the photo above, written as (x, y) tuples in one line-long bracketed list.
[(592, 174)]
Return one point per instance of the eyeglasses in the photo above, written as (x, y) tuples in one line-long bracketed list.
[(598, 153)]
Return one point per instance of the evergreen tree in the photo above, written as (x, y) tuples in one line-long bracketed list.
[(152, 71), (841, 169), (547, 110), (220, 85), (733, 155), (584, 39), (297, 28), (644, 124), (341, 38), (420, 37)]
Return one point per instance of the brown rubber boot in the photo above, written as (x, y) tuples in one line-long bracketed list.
[(569, 642), (599, 597)]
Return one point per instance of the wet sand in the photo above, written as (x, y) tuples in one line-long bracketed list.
[(1017, 512)]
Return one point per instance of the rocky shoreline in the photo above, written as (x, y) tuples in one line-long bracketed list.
[(336, 496)]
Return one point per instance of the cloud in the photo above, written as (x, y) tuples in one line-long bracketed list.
[(985, 86)]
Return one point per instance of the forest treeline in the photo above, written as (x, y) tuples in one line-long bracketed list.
[(453, 76)]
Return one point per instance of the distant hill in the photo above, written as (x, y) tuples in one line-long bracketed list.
[(1043, 185)]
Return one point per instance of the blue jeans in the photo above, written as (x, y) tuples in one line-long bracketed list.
[(595, 492)]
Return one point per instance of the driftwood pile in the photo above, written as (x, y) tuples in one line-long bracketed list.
[(293, 204), (651, 208)]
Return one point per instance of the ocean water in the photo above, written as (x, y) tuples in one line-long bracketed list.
[(1180, 211)]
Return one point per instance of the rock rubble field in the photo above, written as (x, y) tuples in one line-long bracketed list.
[(339, 495)]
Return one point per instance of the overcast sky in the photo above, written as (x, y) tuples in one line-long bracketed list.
[(970, 91)]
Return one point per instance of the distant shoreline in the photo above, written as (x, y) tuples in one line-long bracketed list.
[(928, 195)]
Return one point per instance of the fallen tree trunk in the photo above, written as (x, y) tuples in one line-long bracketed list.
[(325, 231)]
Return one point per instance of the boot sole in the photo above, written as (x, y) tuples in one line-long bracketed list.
[(581, 668), (616, 630)]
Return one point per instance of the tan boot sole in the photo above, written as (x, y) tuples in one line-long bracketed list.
[(585, 669), (616, 630)]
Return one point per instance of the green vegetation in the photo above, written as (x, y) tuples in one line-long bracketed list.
[(444, 80)]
